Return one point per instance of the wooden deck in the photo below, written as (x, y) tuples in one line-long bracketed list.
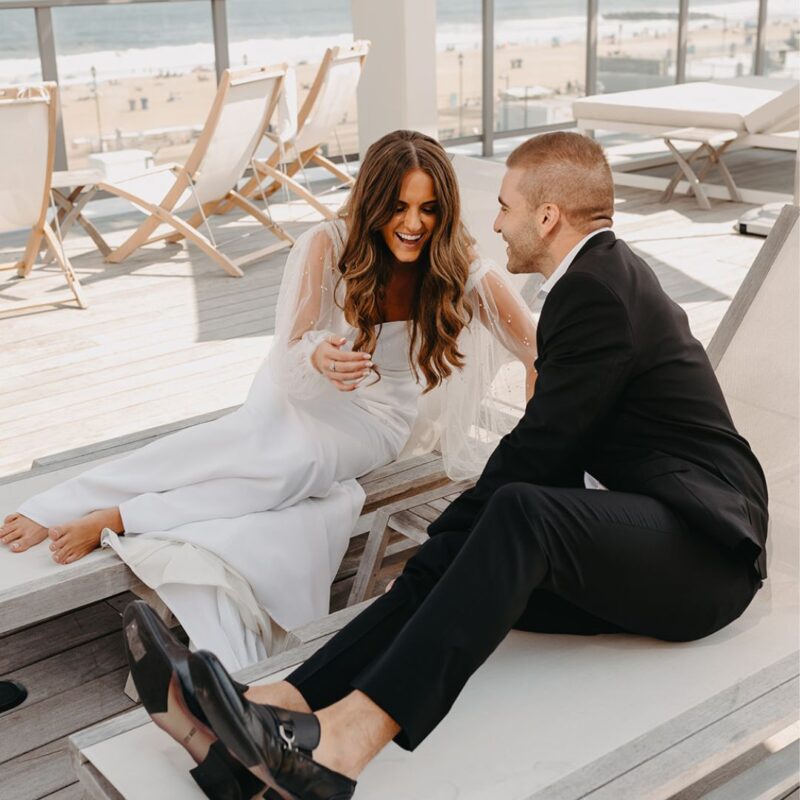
[(169, 335)]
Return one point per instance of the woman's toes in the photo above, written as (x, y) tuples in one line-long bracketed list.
[(55, 533)]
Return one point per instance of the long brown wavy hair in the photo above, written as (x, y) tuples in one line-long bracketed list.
[(440, 309)]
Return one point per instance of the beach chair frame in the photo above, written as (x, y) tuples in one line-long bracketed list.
[(280, 174), (42, 233), (185, 176)]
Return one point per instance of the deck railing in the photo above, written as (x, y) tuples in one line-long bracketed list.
[(488, 92)]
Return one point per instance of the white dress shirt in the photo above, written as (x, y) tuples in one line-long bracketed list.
[(548, 285)]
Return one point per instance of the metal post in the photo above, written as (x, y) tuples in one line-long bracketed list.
[(591, 47), (487, 89), (47, 58), (760, 60), (219, 19), (683, 39)]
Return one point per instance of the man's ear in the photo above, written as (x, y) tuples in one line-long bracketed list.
[(548, 215)]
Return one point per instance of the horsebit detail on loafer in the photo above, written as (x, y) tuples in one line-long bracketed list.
[(288, 738)]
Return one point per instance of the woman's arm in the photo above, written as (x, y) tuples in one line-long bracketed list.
[(504, 313)]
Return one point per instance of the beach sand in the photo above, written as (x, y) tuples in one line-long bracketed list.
[(163, 113)]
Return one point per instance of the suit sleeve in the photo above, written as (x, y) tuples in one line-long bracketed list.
[(585, 357)]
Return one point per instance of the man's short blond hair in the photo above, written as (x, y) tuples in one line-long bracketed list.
[(570, 171)]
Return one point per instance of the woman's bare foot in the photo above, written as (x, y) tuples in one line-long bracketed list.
[(20, 533), (79, 537)]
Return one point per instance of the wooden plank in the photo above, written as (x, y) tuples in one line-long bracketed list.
[(679, 752), (774, 778), (80, 585), (72, 792), (19, 649), (38, 773), (64, 671), (65, 714)]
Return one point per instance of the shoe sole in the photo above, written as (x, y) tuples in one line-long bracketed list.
[(224, 712)]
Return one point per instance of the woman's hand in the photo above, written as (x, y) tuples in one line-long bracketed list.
[(343, 369)]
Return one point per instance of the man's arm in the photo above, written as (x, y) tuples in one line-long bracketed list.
[(583, 365)]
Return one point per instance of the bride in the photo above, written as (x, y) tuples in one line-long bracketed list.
[(246, 518)]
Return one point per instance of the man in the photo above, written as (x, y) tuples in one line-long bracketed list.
[(674, 549)]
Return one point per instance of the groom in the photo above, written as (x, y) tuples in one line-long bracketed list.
[(674, 549)]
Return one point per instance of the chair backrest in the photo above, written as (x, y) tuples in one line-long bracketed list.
[(756, 355), (27, 153), (242, 108), (333, 88)]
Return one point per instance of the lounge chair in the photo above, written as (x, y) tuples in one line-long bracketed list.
[(281, 158), (239, 116), (27, 145), (565, 717), (716, 116)]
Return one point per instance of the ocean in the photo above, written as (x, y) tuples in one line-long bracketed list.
[(131, 39)]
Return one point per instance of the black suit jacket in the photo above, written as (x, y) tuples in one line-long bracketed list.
[(626, 393)]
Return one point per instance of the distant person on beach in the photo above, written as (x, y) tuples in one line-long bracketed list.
[(377, 309), (674, 549)]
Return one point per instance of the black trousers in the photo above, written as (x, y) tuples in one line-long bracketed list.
[(538, 559)]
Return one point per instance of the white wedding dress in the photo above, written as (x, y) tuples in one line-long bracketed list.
[(240, 524)]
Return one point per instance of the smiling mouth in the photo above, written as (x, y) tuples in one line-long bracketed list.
[(408, 239)]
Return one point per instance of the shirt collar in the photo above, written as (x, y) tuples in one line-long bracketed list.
[(548, 285)]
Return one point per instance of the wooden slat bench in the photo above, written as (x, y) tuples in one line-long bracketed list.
[(33, 588)]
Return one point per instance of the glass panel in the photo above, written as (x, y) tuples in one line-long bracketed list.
[(721, 39), (136, 78), (783, 39), (539, 63), (636, 44), (274, 31), (19, 52), (459, 61)]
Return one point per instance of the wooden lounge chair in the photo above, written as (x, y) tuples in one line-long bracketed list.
[(333, 87), (27, 150), (716, 117), (33, 588), (599, 718), (242, 109)]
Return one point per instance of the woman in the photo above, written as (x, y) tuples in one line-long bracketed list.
[(375, 310)]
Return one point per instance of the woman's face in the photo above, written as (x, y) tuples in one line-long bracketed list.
[(414, 217)]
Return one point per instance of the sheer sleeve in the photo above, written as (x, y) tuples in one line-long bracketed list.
[(503, 312), (306, 311), (479, 404)]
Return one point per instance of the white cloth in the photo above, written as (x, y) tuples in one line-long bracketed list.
[(240, 523)]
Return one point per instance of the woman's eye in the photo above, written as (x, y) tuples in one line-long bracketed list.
[(429, 210)]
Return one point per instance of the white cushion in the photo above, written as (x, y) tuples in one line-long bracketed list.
[(751, 104)]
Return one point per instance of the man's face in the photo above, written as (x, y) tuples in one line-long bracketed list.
[(516, 223)]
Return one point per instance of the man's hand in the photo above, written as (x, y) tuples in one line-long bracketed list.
[(343, 369)]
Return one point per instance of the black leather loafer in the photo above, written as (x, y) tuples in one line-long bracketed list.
[(275, 744), (154, 656)]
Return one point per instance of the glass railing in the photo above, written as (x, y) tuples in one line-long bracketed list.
[(459, 67), (136, 78), (782, 40), (636, 45), (139, 75), (273, 31), (19, 53), (539, 64), (721, 40)]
